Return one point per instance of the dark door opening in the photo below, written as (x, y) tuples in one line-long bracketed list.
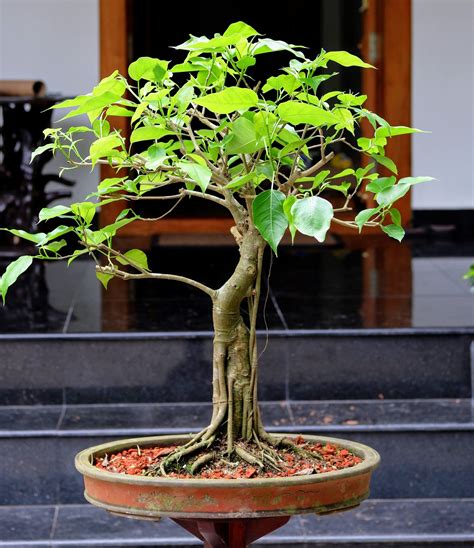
[(328, 24)]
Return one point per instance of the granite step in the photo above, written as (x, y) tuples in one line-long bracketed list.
[(437, 523), (296, 365), (426, 445)]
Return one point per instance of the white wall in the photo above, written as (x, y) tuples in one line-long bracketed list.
[(56, 41), (443, 97)]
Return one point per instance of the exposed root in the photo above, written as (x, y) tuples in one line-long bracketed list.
[(285, 442), (201, 461), (248, 457), (177, 455)]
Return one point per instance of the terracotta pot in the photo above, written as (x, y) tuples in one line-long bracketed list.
[(145, 497)]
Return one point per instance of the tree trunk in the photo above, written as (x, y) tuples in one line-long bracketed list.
[(235, 413), (235, 354)]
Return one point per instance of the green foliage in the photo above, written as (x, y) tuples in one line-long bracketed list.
[(228, 100), (13, 271), (204, 124), (312, 216), (269, 216)]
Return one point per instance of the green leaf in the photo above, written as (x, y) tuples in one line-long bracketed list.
[(345, 119), (155, 157), (361, 172), (287, 82), (269, 217), (394, 131), (287, 205), (345, 59), (13, 271), (381, 184), (246, 61), (296, 113), (110, 184), (148, 68), (184, 97), (415, 180), (343, 187), (228, 100), (110, 230), (40, 150), (386, 162), (52, 212), (312, 216), (351, 100), (364, 216), (319, 178), (198, 173), (469, 274), (101, 127), (56, 233), (35, 238), (148, 133), (85, 210), (392, 194), (105, 147), (239, 182), (103, 278), (54, 246), (243, 137), (204, 44), (344, 173), (115, 110), (396, 216), (110, 83), (134, 257), (242, 29), (394, 231), (94, 104), (315, 81), (74, 102), (77, 253), (267, 45)]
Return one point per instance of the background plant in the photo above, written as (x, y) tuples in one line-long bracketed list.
[(205, 129)]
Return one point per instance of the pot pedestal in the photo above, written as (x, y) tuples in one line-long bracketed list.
[(231, 533)]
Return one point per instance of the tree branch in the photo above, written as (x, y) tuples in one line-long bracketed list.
[(308, 172), (156, 276)]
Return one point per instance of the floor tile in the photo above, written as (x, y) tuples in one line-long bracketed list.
[(27, 523)]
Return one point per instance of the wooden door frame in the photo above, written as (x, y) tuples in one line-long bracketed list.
[(387, 45), (384, 43)]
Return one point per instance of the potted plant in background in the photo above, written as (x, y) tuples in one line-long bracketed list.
[(203, 129)]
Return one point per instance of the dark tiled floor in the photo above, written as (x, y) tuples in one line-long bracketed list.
[(319, 287), (398, 521)]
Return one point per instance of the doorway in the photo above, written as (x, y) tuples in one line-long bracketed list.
[(377, 30)]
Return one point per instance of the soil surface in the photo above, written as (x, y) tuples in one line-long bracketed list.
[(315, 458)]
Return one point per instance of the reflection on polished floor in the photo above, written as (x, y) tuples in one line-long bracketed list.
[(351, 283)]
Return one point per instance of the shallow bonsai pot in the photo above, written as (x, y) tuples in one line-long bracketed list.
[(149, 497)]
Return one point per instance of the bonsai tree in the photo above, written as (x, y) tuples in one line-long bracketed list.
[(205, 129)]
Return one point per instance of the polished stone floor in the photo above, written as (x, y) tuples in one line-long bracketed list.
[(366, 283)]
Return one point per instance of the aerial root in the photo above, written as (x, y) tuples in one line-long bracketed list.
[(201, 461)]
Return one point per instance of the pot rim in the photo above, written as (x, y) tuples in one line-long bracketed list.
[(371, 460)]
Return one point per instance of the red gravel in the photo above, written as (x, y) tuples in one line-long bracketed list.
[(136, 460)]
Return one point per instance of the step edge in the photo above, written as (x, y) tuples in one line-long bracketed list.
[(277, 333), (413, 427)]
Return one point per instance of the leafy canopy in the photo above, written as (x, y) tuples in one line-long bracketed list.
[(203, 128)]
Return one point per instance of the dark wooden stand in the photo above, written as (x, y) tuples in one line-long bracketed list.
[(231, 533)]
